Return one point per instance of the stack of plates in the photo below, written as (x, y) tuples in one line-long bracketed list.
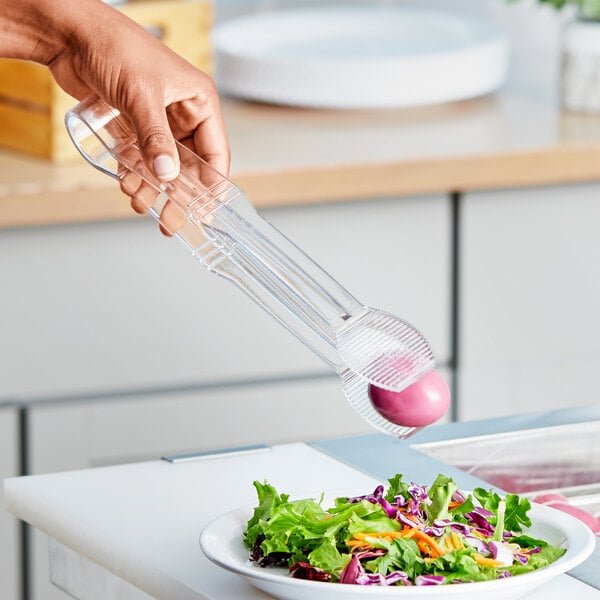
[(375, 57)]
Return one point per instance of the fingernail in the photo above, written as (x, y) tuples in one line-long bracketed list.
[(164, 167)]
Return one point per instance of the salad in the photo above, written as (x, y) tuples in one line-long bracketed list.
[(405, 534)]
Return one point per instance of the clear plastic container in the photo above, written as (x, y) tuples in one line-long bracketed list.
[(530, 462)]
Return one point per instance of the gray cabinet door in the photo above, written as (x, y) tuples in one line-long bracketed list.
[(9, 555), (130, 429), (530, 298)]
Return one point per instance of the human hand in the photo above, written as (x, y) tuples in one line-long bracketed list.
[(93, 49), (162, 95)]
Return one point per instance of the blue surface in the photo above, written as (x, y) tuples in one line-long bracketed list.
[(383, 456)]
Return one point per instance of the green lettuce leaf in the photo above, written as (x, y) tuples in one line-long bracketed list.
[(441, 492), (268, 500), (461, 565), (548, 554), (515, 511), (396, 487), (326, 556), (373, 522), (402, 554)]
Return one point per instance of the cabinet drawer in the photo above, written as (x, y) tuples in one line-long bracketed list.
[(139, 428)]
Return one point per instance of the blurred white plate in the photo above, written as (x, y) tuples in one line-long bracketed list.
[(221, 542), (344, 57)]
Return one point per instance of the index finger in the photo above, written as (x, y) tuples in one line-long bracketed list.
[(212, 144)]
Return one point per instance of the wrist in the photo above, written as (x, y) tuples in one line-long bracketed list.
[(39, 30)]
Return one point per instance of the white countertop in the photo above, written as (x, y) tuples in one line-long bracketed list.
[(142, 522)]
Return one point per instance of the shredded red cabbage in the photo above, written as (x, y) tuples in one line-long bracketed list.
[(304, 570), (429, 579)]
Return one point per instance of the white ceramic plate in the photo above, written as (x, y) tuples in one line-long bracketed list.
[(357, 57), (221, 542)]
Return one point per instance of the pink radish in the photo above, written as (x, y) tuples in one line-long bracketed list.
[(420, 404)]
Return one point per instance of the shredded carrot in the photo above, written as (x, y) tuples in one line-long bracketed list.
[(358, 545), (410, 532), (377, 534), (426, 543), (434, 548), (456, 541), (423, 547), (449, 543), (452, 505), (393, 534), (486, 562)]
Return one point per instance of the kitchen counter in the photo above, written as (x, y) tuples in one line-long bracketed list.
[(132, 531), (285, 156)]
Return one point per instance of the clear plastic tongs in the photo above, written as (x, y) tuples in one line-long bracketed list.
[(216, 222)]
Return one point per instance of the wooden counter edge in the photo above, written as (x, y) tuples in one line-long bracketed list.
[(315, 185)]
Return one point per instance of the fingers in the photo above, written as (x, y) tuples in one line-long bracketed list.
[(211, 143), (144, 196), (197, 121), (200, 120), (156, 141), (172, 218), (130, 183)]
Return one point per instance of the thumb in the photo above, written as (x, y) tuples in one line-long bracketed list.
[(156, 141)]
